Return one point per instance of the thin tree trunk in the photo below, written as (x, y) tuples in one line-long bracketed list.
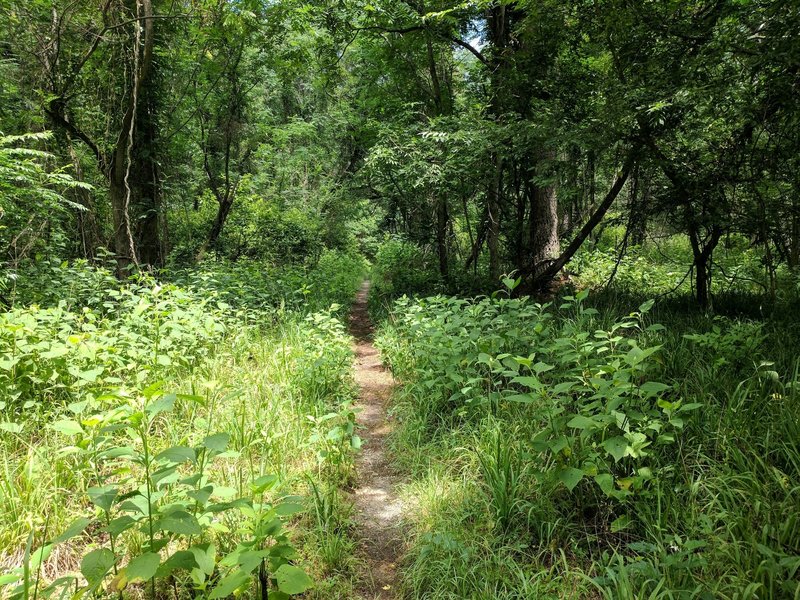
[(86, 219), (223, 211), (493, 215), (442, 222), (639, 206), (702, 251), (794, 241)]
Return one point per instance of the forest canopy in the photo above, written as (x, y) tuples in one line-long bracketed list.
[(497, 136)]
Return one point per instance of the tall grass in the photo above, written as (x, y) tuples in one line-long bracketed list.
[(263, 374), (715, 515)]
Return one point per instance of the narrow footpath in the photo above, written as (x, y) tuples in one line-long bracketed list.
[(377, 506)]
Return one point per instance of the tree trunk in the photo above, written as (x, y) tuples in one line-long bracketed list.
[(122, 237), (544, 244), (223, 211), (794, 241), (702, 251), (493, 215), (117, 164), (523, 193), (590, 173), (543, 276), (88, 229), (442, 223), (125, 149), (145, 182), (639, 201)]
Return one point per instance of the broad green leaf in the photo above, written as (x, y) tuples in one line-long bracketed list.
[(249, 560), (10, 427), (180, 522), (652, 388), (581, 422), (263, 483), (177, 455), (229, 584), (103, 496), (40, 555), (563, 387), (96, 565), (620, 523), (143, 567), (616, 447), (541, 367), (75, 528), (285, 509), (521, 398), (164, 403), (120, 524), (55, 352), (217, 442), (205, 555), (530, 382), (181, 560), (570, 477), (67, 427), (202, 495), (292, 580), (606, 483), (9, 579)]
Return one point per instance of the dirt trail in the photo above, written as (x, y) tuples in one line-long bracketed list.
[(378, 508)]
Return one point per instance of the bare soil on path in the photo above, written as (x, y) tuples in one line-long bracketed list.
[(377, 506)]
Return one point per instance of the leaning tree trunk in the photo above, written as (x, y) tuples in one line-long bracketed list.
[(223, 210), (539, 277)]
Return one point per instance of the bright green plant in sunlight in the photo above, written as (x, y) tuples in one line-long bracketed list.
[(159, 510)]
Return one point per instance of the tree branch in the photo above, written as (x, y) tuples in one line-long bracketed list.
[(55, 111), (470, 48)]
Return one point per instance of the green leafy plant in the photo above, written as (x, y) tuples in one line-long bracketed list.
[(162, 502)]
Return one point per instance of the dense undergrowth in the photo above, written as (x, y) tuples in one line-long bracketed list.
[(159, 433), (597, 445)]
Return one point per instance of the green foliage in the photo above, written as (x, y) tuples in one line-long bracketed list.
[(259, 285), (592, 396), (615, 447), (124, 335), (176, 480), (165, 498), (32, 194), (735, 345), (401, 267)]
